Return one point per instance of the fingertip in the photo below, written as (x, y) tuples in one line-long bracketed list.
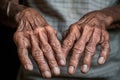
[(84, 68), (56, 71), (62, 62), (71, 70), (46, 74), (29, 67), (101, 60)]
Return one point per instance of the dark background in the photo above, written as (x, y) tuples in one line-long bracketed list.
[(8, 54)]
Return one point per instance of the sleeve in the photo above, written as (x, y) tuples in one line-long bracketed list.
[(8, 11)]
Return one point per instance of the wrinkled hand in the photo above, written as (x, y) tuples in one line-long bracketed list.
[(85, 35), (36, 35)]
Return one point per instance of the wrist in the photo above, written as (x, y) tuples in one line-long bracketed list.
[(13, 9), (105, 19), (112, 12)]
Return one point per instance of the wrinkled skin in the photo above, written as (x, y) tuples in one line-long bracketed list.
[(35, 35), (83, 37)]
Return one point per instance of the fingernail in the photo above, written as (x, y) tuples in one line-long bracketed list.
[(85, 68), (56, 71), (101, 60), (28, 67), (71, 69), (62, 62), (47, 74)]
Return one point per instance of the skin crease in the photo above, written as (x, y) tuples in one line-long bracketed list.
[(85, 35), (35, 34)]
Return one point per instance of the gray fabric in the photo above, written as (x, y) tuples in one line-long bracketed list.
[(60, 14)]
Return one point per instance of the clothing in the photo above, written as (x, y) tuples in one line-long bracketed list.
[(61, 14)]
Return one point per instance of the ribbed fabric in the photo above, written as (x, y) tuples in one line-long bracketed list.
[(61, 14)]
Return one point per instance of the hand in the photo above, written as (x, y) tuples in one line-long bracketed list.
[(85, 35), (34, 34)]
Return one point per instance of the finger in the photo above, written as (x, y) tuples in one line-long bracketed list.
[(78, 49), (105, 48), (39, 57), (90, 50), (48, 52), (56, 46), (23, 53), (70, 39)]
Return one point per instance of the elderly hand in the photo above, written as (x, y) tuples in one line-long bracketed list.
[(34, 34), (84, 36)]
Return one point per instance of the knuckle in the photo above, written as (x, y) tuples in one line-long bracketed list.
[(42, 62), (52, 62), (17, 35), (40, 30), (28, 33), (55, 45), (27, 12), (106, 45), (90, 50), (37, 53), (46, 48), (67, 43), (94, 40), (36, 30), (73, 26), (49, 28), (78, 50), (88, 27)]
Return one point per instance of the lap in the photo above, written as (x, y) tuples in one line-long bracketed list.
[(109, 71)]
